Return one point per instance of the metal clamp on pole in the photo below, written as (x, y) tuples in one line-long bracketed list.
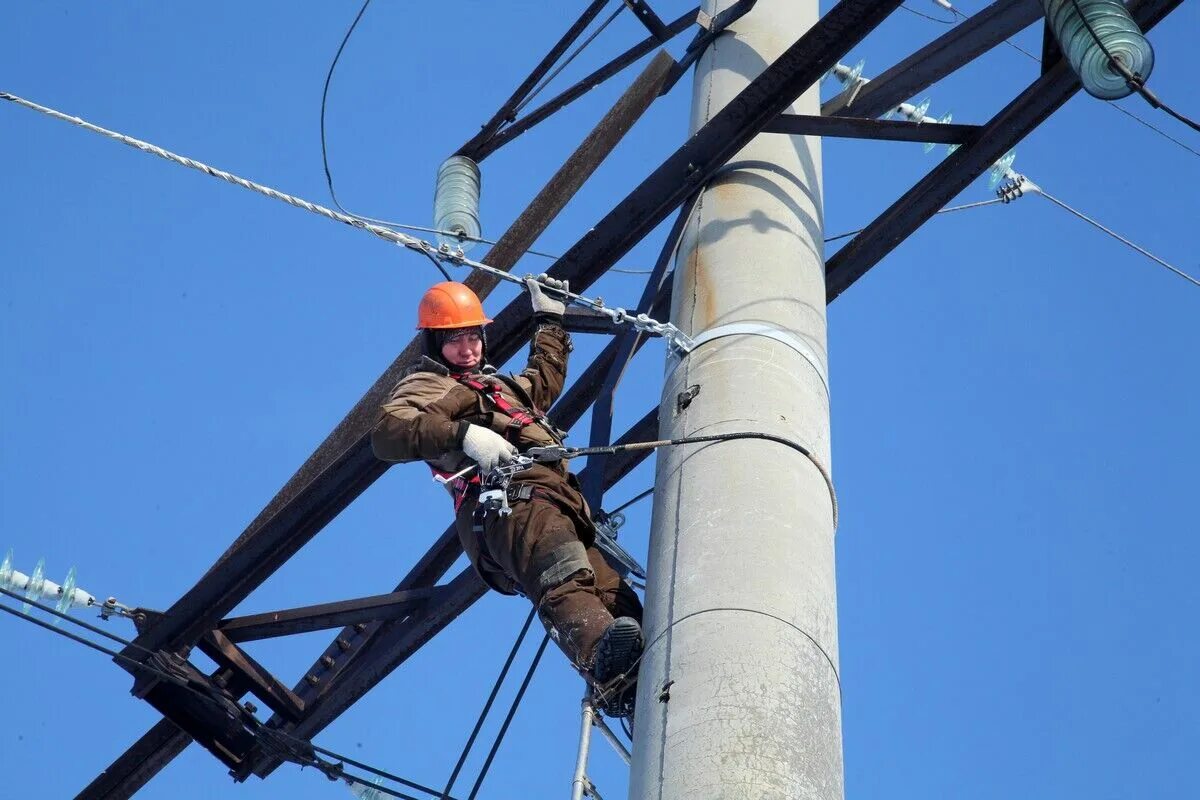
[(796, 343)]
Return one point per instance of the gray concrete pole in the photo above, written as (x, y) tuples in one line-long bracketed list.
[(741, 608)]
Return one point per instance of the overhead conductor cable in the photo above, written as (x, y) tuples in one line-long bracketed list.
[(445, 254)]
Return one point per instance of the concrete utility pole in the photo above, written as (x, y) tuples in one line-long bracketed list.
[(741, 551)]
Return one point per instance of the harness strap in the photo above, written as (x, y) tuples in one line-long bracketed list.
[(459, 488), (519, 416)]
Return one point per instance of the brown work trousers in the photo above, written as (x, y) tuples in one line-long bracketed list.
[(576, 592)]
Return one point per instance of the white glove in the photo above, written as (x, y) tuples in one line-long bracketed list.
[(542, 304), (487, 448)]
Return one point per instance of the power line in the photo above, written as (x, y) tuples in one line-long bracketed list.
[(640, 496), (641, 322)]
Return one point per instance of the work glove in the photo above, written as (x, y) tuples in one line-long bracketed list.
[(487, 448), (543, 304)]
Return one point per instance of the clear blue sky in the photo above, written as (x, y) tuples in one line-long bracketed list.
[(1014, 415)]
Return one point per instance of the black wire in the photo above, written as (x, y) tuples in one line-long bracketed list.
[(487, 707), (628, 503), (574, 452), (1133, 81), (628, 731), (75, 638), (1190, 123), (68, 618), (325, 97), (437, 264), (508, 719)]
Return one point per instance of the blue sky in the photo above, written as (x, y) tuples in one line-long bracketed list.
[(1014, 413)]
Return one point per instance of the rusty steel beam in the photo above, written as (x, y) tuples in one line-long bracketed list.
[(323, 616), (858, 128), (262, 684)]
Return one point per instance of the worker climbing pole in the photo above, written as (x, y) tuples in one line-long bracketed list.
[(522, 521), (738, 685)]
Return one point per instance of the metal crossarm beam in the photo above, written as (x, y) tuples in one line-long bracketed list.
[(505, 114), (652, 22), (856, 128), (582, 87), (265, 686), (957, 47), (695, 163), (1044, 96), (327, 615), (134, 768)]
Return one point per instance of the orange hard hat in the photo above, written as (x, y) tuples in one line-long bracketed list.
[(450, 305)]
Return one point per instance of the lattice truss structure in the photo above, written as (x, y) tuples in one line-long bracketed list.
[(375, 635)]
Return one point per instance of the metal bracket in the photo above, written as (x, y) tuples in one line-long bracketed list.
[(793, 341)]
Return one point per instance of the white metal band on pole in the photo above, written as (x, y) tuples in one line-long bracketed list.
[(796, 343)]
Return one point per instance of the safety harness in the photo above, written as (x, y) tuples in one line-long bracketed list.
[(520, 418)]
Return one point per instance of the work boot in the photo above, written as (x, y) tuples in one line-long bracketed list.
[(617, 651)]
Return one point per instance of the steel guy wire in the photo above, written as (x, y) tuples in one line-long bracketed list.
[(928, 16), (254, 723), (963, 207), (444, 254), (1020, 184)]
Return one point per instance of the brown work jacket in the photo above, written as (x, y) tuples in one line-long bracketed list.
[(430, 409)]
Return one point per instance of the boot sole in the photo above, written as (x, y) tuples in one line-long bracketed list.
[(620, 649)]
